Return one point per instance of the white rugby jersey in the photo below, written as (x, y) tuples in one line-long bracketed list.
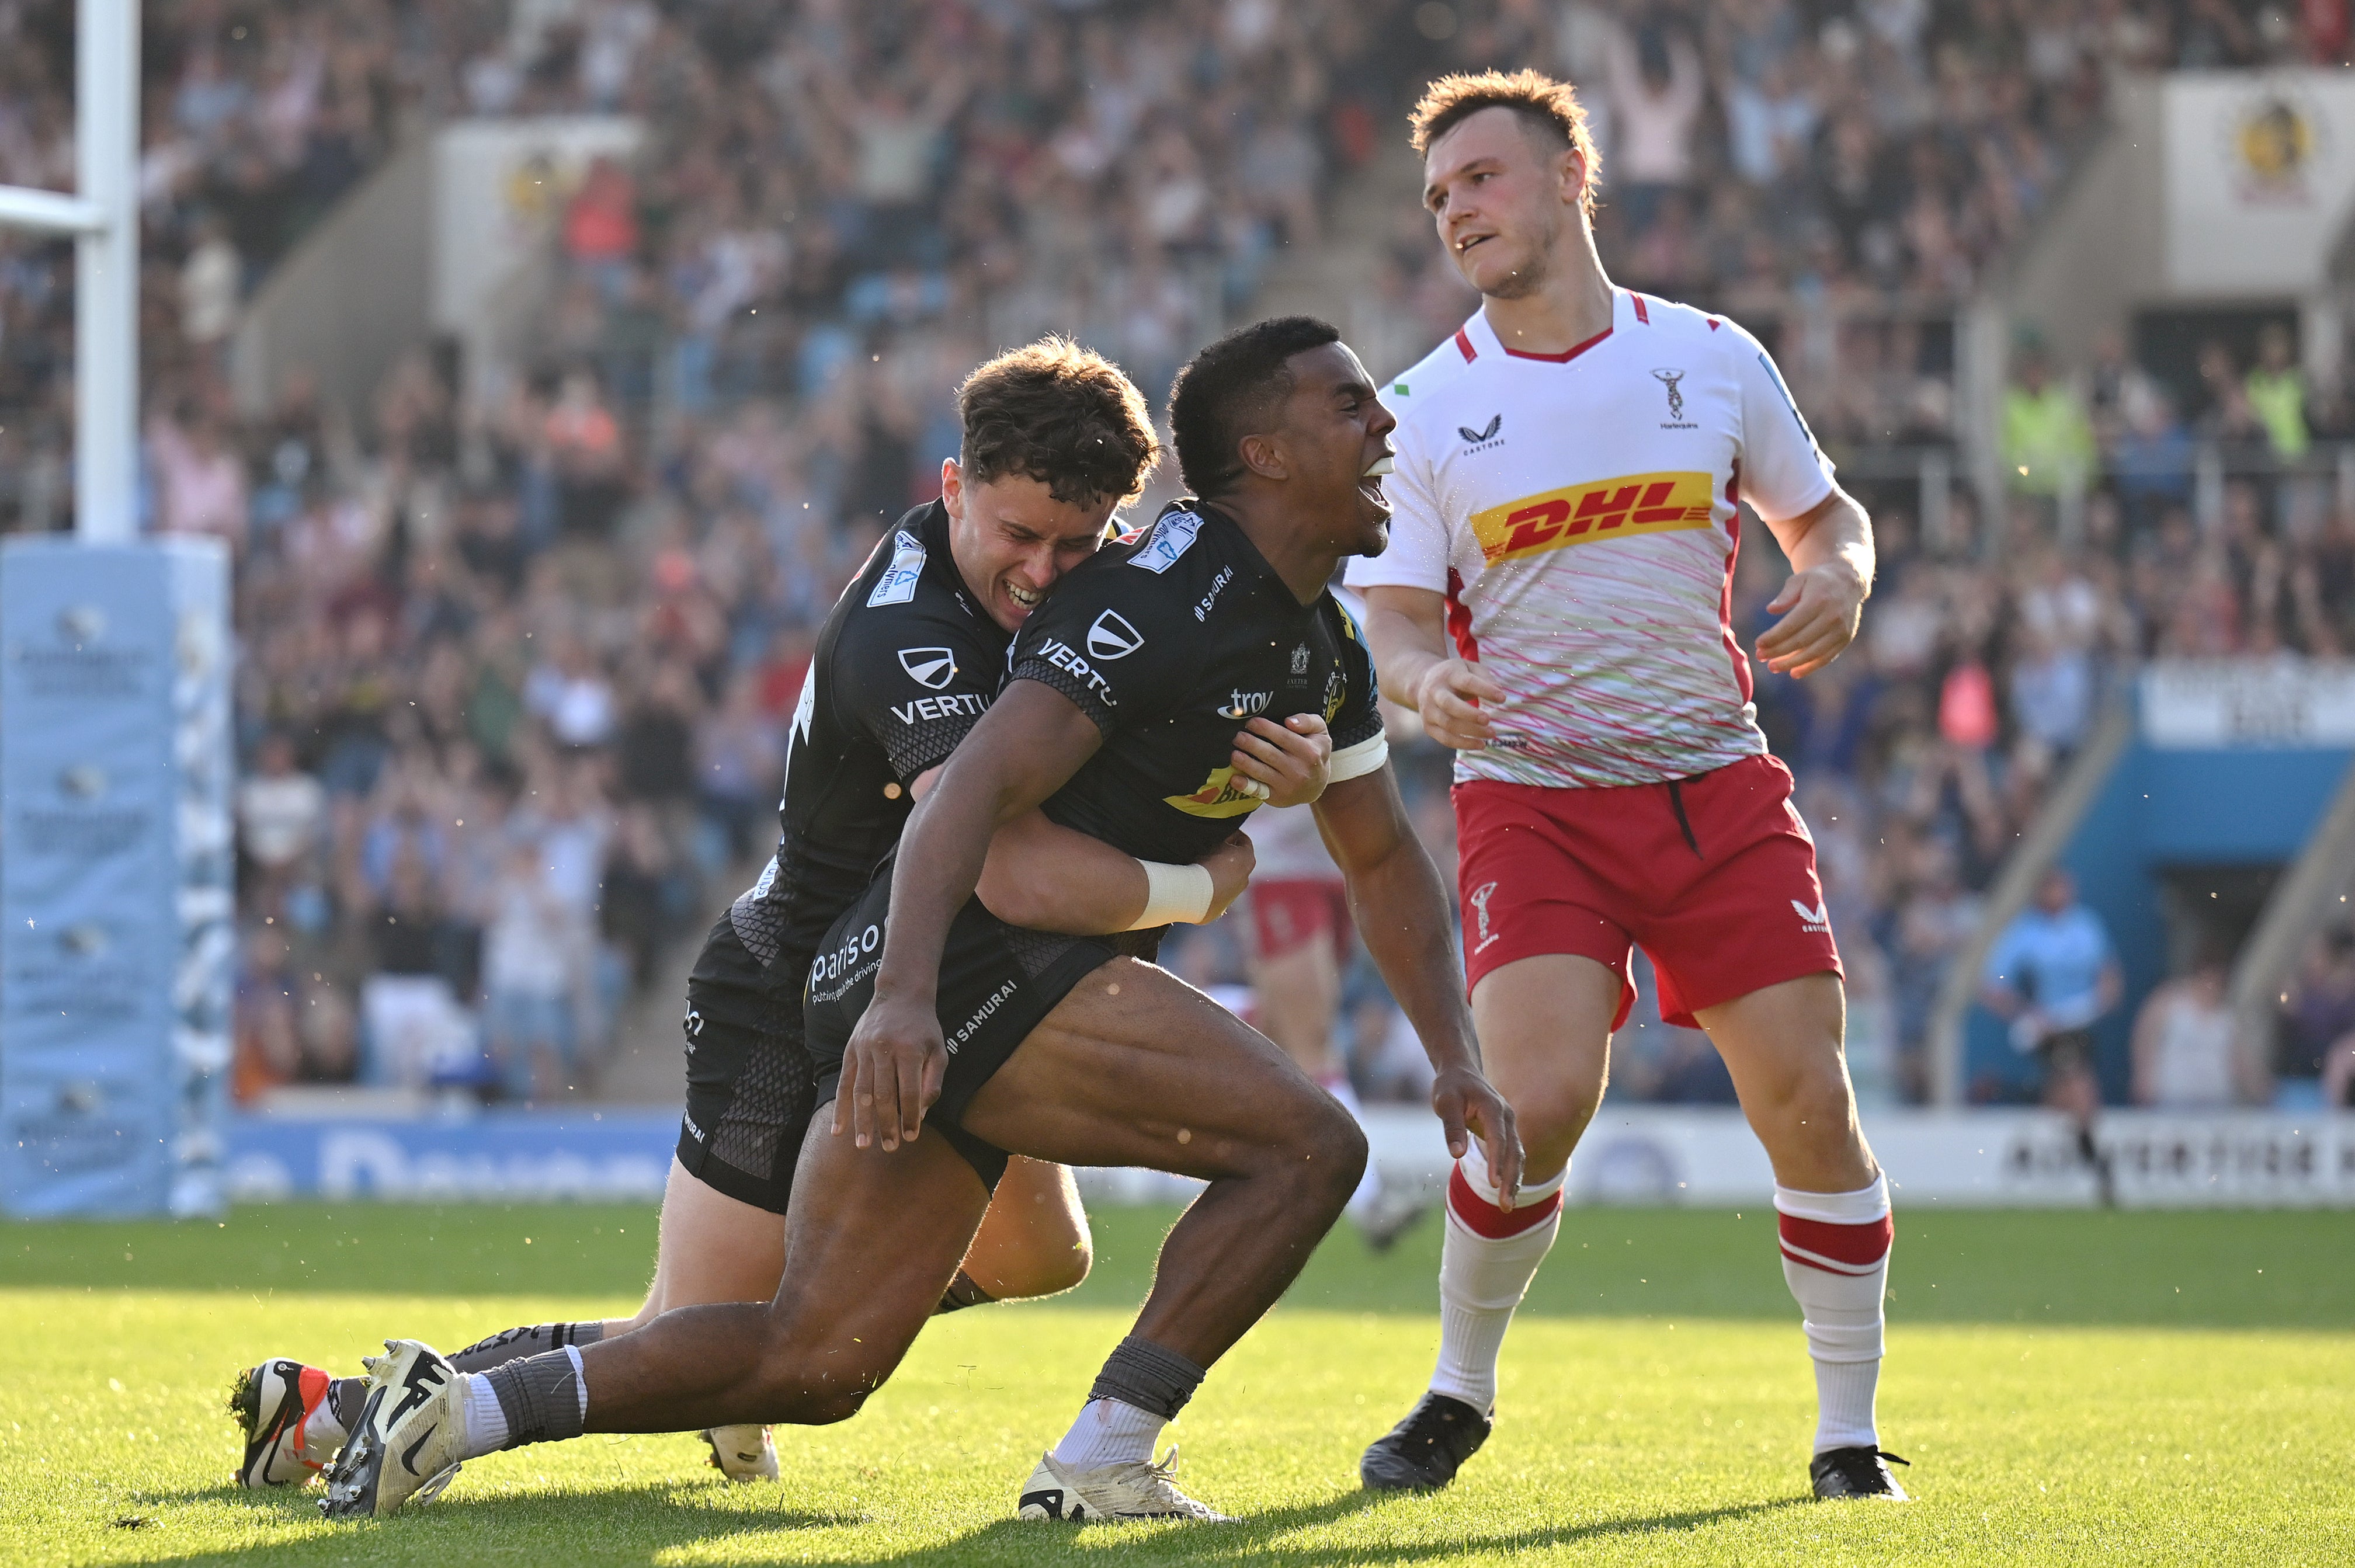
[(1578, 510)]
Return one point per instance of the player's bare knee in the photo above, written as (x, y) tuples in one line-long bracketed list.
[(1333, 1151), (1813, 1108), (1062, 1270), (1549, 1123)]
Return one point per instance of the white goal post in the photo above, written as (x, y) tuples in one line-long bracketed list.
[(102, 217)]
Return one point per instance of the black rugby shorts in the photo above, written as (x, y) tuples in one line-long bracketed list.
[(998, 982), (749, 1090)]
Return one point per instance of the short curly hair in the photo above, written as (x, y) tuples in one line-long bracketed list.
[(1232, 390), (1061, 414), (1545, 106)]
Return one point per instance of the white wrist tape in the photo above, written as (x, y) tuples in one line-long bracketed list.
[(1180, 894)]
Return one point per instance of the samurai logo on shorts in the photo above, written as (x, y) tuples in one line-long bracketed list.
[(1479, 902)]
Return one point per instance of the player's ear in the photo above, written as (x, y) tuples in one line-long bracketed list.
[(1573, 177), (952, 488), (1263, 455)]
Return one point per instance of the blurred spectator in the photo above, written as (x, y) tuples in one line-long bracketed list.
[(2184, 1057), (200, 479), (282, 815), (2276, 393), (2052, 975), (2048, 439), (2319, 1013), (739, 757), (533, 967), (1656, 87)]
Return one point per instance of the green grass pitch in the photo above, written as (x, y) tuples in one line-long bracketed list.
[(2071, 1388)]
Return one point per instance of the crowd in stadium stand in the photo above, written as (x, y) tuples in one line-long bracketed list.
[(515, 668)]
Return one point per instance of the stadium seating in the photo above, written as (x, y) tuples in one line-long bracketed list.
[(515, 669)]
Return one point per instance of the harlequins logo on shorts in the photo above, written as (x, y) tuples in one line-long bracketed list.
[(1479, 902)]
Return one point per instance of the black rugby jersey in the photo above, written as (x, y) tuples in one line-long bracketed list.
[(906, 665), (1171, 642)]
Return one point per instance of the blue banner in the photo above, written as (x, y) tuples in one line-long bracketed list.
[(498, 1155)]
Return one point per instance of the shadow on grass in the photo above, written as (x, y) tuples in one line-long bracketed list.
[(649, 1520), (1258, 1537)]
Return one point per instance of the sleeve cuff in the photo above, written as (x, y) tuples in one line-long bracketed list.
[(1356, 762), (1379, 572)]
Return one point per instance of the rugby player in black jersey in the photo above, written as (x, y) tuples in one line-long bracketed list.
[(1119, 720), (906, 662)]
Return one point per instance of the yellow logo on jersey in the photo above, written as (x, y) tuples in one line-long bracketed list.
[(1220, 795), (1581, 514)]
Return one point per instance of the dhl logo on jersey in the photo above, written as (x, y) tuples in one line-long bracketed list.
[(1220, 795), (1581, 514)]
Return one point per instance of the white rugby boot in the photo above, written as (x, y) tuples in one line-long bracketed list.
[(742, 1453), (1106, 1494), (271, 1403), (411, 1433)]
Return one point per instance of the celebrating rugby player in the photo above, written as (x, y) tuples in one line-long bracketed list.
[(928, 1014), (1054, 438)]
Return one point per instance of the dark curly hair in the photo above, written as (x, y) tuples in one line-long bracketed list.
[(1061, 414), (1229, 391)]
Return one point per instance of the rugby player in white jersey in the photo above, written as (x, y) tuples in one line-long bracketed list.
[(1555, 603)]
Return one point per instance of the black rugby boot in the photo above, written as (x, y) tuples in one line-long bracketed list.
[(1856, 1473), (1423, 1452)]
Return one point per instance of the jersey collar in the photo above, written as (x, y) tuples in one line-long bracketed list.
[(1476, 339), (1265, 574)]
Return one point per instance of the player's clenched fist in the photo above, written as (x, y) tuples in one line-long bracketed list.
[(891, 1072), (1290, 762), (1451, 695)]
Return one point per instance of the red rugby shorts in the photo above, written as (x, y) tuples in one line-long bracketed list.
[(1290, 913), (1713, 876)]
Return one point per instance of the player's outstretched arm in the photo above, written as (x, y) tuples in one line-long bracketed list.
[(1047, 878), (1831, 556), (1407, 630), (1403, 913), (1032, 740)]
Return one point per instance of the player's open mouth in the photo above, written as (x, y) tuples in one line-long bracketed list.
[(1369, 484), (1464, 246), (1023, 598)]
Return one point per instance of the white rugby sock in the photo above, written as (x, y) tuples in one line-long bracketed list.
[(1485, 1264), (1109, 1432), (1836, 1259), (486, 1420), (1370, 1186), (322, 1433)]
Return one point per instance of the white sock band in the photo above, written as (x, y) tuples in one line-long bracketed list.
[(579, 1379), (1474, 1167), (1109, 1432), (486, 1420)]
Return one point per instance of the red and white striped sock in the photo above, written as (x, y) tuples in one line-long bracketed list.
[(1486, 1264), (1835, 1258)]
